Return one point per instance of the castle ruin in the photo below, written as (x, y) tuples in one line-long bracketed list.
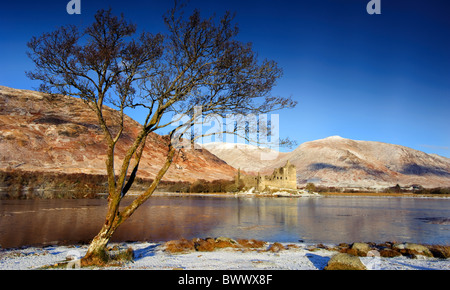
[(284, 178)]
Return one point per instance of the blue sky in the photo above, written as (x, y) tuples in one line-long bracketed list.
[(365, 77)]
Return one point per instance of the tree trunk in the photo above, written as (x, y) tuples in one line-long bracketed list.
[(97, 254)]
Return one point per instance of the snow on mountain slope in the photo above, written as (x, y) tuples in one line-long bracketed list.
[(247, 157), (341, 162)]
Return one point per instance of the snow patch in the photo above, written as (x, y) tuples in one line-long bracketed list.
[(152, 256)]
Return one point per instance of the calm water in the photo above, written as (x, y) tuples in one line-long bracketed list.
[(315, 220)]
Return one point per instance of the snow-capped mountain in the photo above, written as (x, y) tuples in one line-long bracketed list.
[(341, 162), (249, 158)]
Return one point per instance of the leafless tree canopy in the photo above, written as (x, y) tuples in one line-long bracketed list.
[(198, 62)]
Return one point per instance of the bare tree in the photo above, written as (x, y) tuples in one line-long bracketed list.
[(198, 62)]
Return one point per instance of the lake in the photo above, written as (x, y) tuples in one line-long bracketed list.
[(309, 219)]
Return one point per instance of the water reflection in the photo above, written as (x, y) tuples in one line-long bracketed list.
[(315, 220)]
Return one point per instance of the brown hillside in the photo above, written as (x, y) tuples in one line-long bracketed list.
[(40, 132)]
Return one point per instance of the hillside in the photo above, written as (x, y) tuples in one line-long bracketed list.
[(59, 134), (249, 158), (340, 162)]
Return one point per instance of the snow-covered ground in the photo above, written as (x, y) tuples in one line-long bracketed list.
[(152, 256)]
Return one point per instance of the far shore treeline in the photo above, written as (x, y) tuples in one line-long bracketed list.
[(18, 184)]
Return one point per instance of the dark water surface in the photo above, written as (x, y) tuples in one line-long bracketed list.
[(314, 220)]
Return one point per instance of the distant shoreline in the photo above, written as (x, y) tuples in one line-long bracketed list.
[(92, 195), (343, 194), (18, 185), (383, 194)]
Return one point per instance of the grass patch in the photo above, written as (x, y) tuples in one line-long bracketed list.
[(210, 244), (113, 257)]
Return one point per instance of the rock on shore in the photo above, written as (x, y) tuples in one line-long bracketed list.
[(344, 261)]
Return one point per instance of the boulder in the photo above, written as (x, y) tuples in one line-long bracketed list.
[(361, 249), (413, 250), (389, 253), (343, 261), (373, 253)]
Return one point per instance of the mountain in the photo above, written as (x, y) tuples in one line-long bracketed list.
[(249, 158), (340, 162), (59, 134), (45, 133)]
